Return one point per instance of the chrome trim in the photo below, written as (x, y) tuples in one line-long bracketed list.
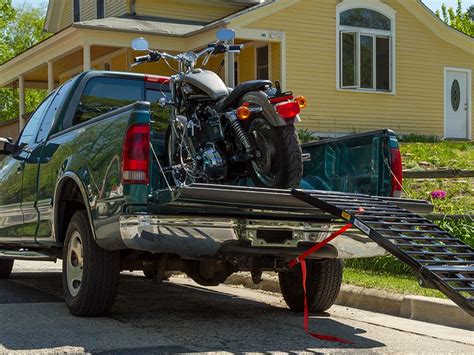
[(26, 255), (195, 236)]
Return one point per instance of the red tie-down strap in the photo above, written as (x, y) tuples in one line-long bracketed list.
[(300, 259)]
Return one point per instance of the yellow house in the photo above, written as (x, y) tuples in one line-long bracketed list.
[(362, 64)]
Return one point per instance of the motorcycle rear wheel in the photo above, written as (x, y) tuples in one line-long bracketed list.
[(279, 162)]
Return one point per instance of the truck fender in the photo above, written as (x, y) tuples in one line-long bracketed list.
[(66, 177), (260, 99)]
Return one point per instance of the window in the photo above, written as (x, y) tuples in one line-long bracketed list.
[(102, 95), (50, 115), (76, 10), (366, 46), (263, 72), (30, 131), (100, 9)]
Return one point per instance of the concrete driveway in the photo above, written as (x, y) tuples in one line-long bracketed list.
[(179, 316)]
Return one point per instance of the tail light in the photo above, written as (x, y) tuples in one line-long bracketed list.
[(136, 154), (156, 79), (288, 109), (397, 170)]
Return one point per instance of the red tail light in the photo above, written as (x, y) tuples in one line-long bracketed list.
[(397, 177), (135, 154), (288, 110)]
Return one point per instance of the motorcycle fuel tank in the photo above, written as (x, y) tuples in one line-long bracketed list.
[(208, 82)]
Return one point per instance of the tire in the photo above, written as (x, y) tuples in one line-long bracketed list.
[(281, 165), (323, 282), (90, 290), (6, 266)]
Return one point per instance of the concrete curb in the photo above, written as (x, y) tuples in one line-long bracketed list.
[(426, 309)]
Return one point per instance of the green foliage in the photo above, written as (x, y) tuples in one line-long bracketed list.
[(419, 138), (305, 135), (20, 28), (457, 18)]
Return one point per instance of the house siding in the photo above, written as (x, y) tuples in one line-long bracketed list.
[(421, 56), (185, 10), (115, 7)]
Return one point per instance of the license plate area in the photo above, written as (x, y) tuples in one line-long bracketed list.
[(274, 236)]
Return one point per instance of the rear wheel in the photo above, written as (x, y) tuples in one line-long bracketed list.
[(278, 162), (90, 273), (323, 283), (6, 266)]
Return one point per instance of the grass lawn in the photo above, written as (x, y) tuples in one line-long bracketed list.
[(388, 273), (403, 284)]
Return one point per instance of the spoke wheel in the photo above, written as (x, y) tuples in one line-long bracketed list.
[(75, 264)]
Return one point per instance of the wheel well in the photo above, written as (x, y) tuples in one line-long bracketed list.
[(70, 200)]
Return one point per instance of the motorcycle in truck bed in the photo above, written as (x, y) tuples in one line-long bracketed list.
[(85, 183)]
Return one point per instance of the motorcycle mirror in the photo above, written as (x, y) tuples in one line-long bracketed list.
[(140, 44), (225, 34)]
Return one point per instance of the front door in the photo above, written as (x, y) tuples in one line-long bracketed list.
[(456, 103)]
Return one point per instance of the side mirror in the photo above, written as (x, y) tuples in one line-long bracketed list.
[(140, 44), (225, 34), (8, 146)]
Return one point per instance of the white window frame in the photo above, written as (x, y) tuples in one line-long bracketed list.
[(269, 59), (385, 10)]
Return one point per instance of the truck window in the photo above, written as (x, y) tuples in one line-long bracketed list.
[(159, 115), (50, 115), (30, 131), (102, 95)]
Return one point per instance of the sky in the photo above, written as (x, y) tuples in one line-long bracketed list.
[(432, 4)]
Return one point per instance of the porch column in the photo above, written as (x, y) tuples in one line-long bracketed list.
[(50, 76), (229, 71), (87, 56), (21, 99)]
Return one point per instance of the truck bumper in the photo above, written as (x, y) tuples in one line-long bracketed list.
[(197, 236)]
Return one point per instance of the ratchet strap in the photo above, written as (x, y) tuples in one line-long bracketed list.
[(300, 259)]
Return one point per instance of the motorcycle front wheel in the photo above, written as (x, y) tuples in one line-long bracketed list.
[(278, 162)]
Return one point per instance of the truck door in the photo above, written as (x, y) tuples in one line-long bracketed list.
[(12, 225), (35, 207)]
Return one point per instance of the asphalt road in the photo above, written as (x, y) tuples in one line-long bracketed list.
[(179, 316)]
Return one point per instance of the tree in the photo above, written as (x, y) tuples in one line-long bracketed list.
[(461, 21), (20, 29)]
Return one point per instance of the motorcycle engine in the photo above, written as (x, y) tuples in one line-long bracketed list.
[(213, 166)]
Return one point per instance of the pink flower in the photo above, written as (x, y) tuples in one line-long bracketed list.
[(438, 194)]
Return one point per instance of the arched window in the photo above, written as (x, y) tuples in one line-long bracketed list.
[(366, 38)]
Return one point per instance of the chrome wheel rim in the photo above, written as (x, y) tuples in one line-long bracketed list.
[(75, 264)]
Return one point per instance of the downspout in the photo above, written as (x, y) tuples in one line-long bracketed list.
[(132, 7)]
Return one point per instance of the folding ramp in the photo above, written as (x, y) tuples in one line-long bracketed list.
[(438, 259)]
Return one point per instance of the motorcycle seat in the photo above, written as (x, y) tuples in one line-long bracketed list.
[(234, 96)]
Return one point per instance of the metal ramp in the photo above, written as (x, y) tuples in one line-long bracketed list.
[(439, 259)]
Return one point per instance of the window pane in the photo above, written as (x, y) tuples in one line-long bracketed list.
[(348, 59), (365, 18), (52, 111), (160, 115), (262, 63), (100, 8), (103, 95), (31, 129), (366, 62), (383, 63), (77, 11)]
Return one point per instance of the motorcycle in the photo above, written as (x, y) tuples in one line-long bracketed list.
[(221, 135)]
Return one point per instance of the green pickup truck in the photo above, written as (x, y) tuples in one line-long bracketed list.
[(66, 192)]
